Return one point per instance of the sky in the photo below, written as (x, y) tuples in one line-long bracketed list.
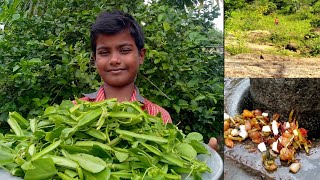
[(219, 21)]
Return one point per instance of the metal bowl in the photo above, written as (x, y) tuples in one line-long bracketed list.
[(215, 163)]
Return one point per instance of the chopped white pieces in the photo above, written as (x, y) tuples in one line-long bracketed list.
[(234, 132), (286, 125), (262, 147), (275, 146), (275, 127), (243, 134), (264, 114), (226, 116), (242, 127), (266, 129)]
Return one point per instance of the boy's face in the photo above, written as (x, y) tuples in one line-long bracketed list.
[(117, 58)]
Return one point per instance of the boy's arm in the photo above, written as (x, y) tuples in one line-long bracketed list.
[(154, 109), (165, 116)]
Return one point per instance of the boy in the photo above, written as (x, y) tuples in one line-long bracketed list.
[(117, 43)]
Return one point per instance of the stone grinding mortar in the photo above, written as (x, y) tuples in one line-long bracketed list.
[(238, 97), (283, 95)]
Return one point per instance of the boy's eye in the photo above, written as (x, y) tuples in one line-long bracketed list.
[(125, 51), (103, 52)]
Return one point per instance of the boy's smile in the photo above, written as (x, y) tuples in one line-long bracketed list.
[(117, 58)]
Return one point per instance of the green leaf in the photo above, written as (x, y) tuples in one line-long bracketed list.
[(88, 162), (105, 174), (182, 102), (48, 42), (44, 169), (6, 157), (15, 68), (50, 109), (35, 60), (186, 149), (193, 82), (177, 108), (35, 99), (166, 26), (55, 133), (44, 100), (198, 146), (15, 16), (100, 152), (195, 136), (193, 35), (121, 156), (200, 97), (160, 17)]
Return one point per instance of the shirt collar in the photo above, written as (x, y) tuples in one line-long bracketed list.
[(100, 95)]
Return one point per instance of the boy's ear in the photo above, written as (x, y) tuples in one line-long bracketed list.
[(93, 59), (142, 55)]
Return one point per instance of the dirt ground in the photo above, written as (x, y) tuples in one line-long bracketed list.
[(270, 66), (261, 64)]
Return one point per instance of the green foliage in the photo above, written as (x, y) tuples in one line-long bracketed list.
[(315, 23), (237, 49), (231, 5), (293, 27), (45, 58), (316, 8), (183, 3), (190, 77)]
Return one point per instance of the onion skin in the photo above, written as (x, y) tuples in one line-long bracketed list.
[(257, 112), (247, 114), (255, 137), (226, 125), (286, 154), (229, 143), (247, 125)]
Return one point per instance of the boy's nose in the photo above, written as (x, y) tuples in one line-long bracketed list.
[(115, 59)]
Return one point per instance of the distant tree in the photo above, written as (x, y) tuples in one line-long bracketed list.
[(231, 5)]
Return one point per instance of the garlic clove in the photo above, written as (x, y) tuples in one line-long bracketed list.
[(266, 129), (234, 132), (286, 125), (275, 147), (226, 116), (265, 114), (242, 127), (275, 127), (262, 147), (295, 167), (243, 134)]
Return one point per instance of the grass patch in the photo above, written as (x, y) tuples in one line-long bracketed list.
[(292, 28), (238, 48)]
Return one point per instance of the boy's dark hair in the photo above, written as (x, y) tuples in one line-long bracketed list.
[(113, 23)]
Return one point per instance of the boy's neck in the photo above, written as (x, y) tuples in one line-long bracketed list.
[(123, 93)]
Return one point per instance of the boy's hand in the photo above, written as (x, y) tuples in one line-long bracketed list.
[(213, 143)]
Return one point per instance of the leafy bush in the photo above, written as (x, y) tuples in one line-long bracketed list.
[(316, 8), (315, 23), (46, 59)]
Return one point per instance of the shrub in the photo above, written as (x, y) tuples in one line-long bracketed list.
[(46, 59)]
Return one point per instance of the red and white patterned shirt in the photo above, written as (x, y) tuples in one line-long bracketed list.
[(148, 106)]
